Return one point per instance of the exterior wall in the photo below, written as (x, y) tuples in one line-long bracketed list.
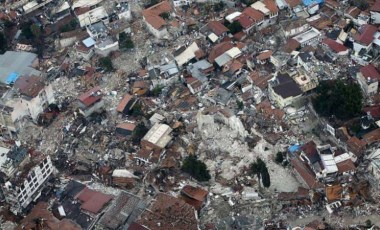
[(178, 3), (358, 47), (375, 17), (369, 89), (297, 30), (37, 104), (86, 56), (65, 42), (374, 170), (94, 108), (283, 102), (126, 15), (157, 33), (21, 197), (105, 51)]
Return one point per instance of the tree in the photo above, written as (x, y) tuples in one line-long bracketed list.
[(26, 31), (235, 27), (279, 158), (265, 178), (137, 110), (138, 133), (157, 90), (106, 63), (196, 168), (260, 169), (337, 98), (36, 31), (240, 105), (125, 41), (165, 15), (3, 43), (368, 223)]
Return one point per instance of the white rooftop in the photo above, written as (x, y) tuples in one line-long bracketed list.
[(85, 3), (308, 35), (329, 163), (260, 7), (342, 158), (232, 16), (92, 16), (233, 52), (159, 135), (187, 54), (213, 37)]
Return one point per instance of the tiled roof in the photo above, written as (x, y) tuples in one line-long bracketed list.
[(376, 6), (333, 45), (217, 27), (369, 71), (90, 97), (366, 33), (29, 86), (253, 14), (152, 14)]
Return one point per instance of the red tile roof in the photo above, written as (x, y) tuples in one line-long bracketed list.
[(291, 45), (335, 46), (369, 71), (90, 97), (93, 201), (353, 11), (346, 166), (219, 49), (293, 3), (271, 5), (217, 27), (374, 111), (126, 99), (126, 126), (356, 145), (253, 14), (376, 6), (366, 34), (245, 21), (152, 14), (264, 55), (305, 172), (194, 192), (29, 86)]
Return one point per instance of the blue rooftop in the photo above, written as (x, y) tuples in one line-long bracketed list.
[(294, 148), (11, 78), (311, 2)]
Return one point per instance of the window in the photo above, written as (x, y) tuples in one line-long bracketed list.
[(45, 161), (41, 165)]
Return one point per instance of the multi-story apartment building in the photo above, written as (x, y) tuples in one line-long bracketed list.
[(26, 184)]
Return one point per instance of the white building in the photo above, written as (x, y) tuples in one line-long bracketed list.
[(31, 97), (157, 137), (178, 3), (93, 16), (123, 10), (20, 192), (311, 37)]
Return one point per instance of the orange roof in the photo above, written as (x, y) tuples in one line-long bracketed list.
[(271, 5), (194, 192), (126, 126), (346, 166), (126, 99), (253, 14), (293, 3), (219, 49), (334, 193), (264, 55), (152, 14)]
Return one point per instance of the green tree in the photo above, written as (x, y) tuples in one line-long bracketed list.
[(240, 104), (165, 15), (234, 27), (157, 90), (260, 169), (343, 100), (368, 223), (138, 133), (196, 168), (137, 110), (279, 158), (3, 43), (26, 31), (36, 31), (125, 41), (106, 64)]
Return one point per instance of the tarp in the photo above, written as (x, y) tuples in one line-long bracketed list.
[(294, 148), (11, 78), (311, 2)]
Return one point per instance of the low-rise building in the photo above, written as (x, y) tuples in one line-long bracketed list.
[(90, 102), (284, 91), (157, 137), (310, 37), (368, 78), (154, 21)]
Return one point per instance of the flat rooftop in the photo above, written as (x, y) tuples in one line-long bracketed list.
[(308, 35)]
